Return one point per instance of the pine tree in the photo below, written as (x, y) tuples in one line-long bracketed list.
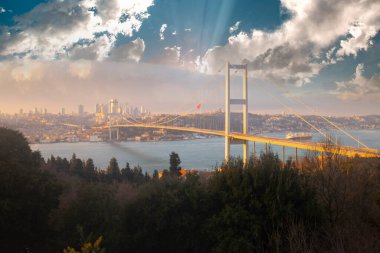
[(76, 166), (127, 173), (113, 169), (175, 161), (89, 169), (156, 176)]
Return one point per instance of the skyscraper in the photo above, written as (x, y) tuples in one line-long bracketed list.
[(80, 110), (113, 106)]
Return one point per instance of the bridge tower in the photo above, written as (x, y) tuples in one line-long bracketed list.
[(229, 102), (110, 130)]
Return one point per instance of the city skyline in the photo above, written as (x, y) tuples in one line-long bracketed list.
[(169, 55), (116, 106)]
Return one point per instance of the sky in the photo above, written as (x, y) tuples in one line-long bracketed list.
[(304, 56)]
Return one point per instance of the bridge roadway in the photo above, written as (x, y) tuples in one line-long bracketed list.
[(313, 146)]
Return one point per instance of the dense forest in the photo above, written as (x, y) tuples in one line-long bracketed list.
[(61, 205)]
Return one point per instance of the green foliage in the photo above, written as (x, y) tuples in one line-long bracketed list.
[(134, 176), (76, 166), (88, 247), (175, 161), (155, 175), (89, 170), (27, 195), (94, 210), (168, 216), (14, 149), (254, 203), (113, 170)]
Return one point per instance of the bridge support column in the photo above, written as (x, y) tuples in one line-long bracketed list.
[(245, 116), (296, 157), (283, 156), (244, 103), (110, 133), (117, 134), (227, 126)]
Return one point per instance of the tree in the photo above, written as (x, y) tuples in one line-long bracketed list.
[(254, 206), (126, 173), (92, 212), (14, 148), (138, 176), (76, 166), (156, 176), (163, 216), (175, 161), (113, 169), (89, 170), (27, 195)]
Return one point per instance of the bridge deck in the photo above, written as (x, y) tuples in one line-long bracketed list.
[(314, 146)]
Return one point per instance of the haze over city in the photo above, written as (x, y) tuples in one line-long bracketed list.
[(170, 54)]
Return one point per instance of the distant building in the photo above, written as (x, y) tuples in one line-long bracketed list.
[(80, 110), (135, 111), (124, 109), (21, 111), (63, 111), (98, 108), (72, 138), (113, 106), (95, 138)]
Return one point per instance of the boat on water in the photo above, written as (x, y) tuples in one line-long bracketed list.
[(298, 136)]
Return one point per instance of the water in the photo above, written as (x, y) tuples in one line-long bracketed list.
[(201, 154)]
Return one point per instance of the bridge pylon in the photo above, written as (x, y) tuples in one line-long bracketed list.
[(110, 130), (228, 103)]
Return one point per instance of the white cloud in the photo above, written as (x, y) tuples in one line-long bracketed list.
[(235, 27), (132, 51), (170, 56), (358, 87), (174, 33), (187, 29), (2, 10), (51, 29), (162, 30), (360, 39), (292, 53)]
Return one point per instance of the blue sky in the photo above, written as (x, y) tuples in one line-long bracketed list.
[(61, 53)]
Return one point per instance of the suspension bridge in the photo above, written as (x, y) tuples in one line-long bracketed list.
[(244, 137)]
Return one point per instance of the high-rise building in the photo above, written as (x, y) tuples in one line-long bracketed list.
[(21, 111), (98, 108), (63, 111), (80, 110), (125, 109), (113, 106)]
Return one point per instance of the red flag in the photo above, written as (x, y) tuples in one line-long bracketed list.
[(199, 106)]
